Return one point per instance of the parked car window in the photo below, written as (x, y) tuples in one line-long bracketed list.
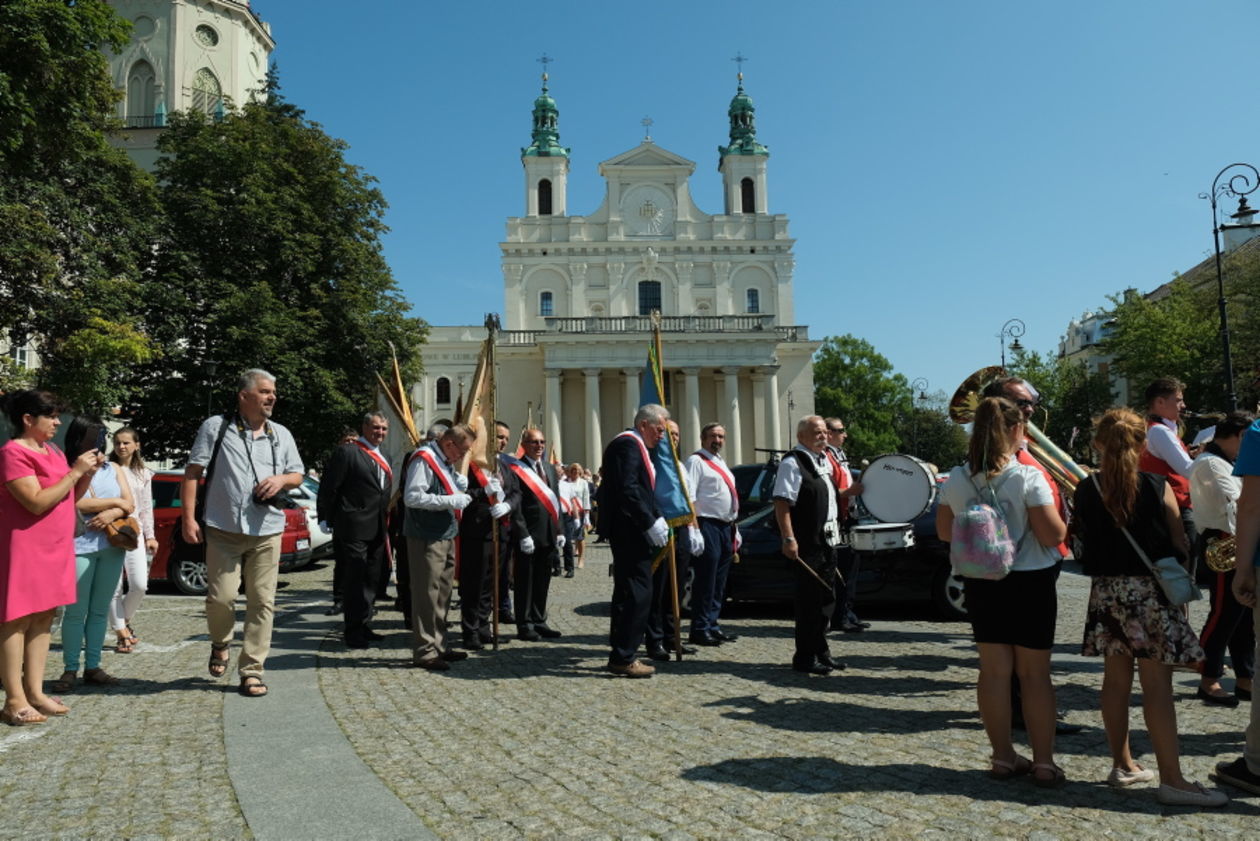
[(166, 495)]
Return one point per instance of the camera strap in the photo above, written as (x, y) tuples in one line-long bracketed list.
[(247, 442)]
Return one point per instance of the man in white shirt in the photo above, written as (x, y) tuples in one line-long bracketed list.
[(717, 508), (1165, 454)]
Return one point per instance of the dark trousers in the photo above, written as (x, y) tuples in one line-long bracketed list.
[(476, 577), (710, 569), (659, 632), (567, 523), (533, 580), (1228, 626), (403, 570), (847, 565), (359, 563), (815, 603), (631, 599), (506, 577)]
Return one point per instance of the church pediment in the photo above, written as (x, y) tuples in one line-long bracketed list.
[(647, 154)]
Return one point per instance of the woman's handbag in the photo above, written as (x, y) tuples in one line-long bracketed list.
[(1171, 576), (123, 533)]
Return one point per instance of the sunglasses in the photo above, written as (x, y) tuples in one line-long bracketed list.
[(836, 429)]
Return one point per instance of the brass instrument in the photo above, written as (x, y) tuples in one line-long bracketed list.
[(1221, 554), (962, 409)]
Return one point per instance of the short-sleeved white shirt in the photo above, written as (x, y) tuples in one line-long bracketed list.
[(1022, 486)]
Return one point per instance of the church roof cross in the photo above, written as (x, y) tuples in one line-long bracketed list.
[(647, 123)]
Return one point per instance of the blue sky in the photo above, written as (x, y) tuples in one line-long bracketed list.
[(945, 165)]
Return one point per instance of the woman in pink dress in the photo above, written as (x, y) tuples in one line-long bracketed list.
[(37, 495)]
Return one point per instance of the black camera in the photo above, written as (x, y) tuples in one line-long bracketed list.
[(280, 500)]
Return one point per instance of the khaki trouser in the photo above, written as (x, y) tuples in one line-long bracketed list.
[(432, 566), (229, 558)]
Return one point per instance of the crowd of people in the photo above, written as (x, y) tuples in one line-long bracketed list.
[(76, 532)]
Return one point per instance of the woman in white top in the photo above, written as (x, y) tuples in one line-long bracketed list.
[(1012, 619), (136, 561), (1214, 494)]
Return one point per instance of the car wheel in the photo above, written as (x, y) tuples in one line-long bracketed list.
[(189, 576), (947, 594)]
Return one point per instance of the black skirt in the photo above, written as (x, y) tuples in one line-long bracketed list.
[(1020, 609)]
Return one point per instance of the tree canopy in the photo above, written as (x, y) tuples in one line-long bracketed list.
[(854, 382)]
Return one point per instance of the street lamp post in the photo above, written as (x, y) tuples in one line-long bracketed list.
[(1013, 328), (1240, 184), (919, 384), (211, 367)]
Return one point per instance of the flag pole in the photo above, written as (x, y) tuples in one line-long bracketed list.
[(673, 589), (492, 322), (673, 564)]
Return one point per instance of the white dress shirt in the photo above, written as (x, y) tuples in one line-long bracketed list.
[(420, 477), (1162, 442), (1214, 492), (710, 493), (380, 474), (787, 482)]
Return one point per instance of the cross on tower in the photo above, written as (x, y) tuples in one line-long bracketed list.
[(544, 61), (646, 122), (739, 62)]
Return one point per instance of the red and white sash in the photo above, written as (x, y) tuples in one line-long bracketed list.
[(572, 503), (647, 459), (426, 455), (725, 473), (380, 462), (841, 477), (540, 489), (482, 479)]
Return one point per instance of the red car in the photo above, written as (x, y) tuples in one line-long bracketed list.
[(188, 570)]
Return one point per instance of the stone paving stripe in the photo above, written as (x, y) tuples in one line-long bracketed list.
[(295, 775)]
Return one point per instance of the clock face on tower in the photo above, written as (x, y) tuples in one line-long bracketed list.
[(647, 210)]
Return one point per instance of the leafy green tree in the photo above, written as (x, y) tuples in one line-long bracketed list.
[(1071, 397), (926, 431), (270, 257), (854, 382), (76, 216)]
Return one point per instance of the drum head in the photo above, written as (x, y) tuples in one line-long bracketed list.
[(897, 488)]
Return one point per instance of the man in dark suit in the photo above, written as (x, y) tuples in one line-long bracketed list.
[(495, 494), (632, 521), (353, 501), (536, 528)]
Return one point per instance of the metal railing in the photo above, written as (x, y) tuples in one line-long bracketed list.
[(138, 121)]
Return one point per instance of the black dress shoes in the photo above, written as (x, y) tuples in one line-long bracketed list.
[(546, 632), (451, 655), (528, 635), (724, 637), (568, 573), (334, 609), (854, 627), (812, 667), (834, 665), (506, 618), (707, 638), (658, 653), (473, 643), (555, 572)]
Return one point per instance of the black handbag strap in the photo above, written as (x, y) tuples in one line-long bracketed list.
[(199, 512)]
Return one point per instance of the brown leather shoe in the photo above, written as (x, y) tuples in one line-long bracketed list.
[(631, 669), (433, 664)]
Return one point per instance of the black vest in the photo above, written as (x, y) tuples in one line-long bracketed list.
[(809, 512)]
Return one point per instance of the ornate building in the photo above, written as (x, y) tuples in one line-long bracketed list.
[(185, 55), (579, 292)]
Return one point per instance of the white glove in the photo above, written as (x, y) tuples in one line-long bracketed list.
[(461, 482), (459, 501), (561, 540), (527, 545), (499, 509), (697, 540), (324, 527), (658, 534), (738, 541), (494, 487)]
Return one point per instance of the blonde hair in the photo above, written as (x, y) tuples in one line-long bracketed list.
[(1118, 436), (990, 434)]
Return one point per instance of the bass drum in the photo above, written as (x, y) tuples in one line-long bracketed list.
[(897, 488)]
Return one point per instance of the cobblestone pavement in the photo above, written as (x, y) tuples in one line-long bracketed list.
[(537, 741)]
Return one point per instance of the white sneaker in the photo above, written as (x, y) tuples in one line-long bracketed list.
[(1201, 796), (1121, 778)]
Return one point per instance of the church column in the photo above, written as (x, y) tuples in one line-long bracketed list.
[(552, 396), (728, 414), (772, 406), (632, 396), (690, 420), (594, 446)]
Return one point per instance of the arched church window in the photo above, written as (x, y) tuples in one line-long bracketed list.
[(544, 197), (752, 301), (443, 396), (207, 92), (141, 82), (747, 196), (649, 296), (546, 304)]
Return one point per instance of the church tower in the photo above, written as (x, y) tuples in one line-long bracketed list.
[(185, 55), (546, 161), (743, 163)]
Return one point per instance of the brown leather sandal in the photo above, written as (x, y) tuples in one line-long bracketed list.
[(218, 665)]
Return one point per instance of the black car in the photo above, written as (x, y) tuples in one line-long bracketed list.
[(920, 573)]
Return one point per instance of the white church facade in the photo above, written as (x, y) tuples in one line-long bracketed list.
[(579, 292)]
